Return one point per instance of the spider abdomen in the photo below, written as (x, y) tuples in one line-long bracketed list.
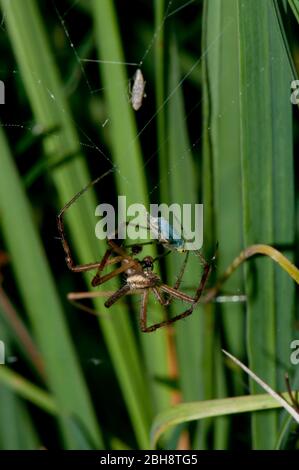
[(141, 281)]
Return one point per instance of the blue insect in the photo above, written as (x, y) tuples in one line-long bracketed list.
[(165, 233)]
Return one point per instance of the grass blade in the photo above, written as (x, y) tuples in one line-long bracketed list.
[(38, 291), (267, 193), (294, 4), (29, 391), (131, 178), (36, 63), (18, 431), (185, 412), (182, 168), (221, 159), (266, 387)]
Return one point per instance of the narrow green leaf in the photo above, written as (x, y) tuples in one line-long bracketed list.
[(210, 42), (182, 169), (294, 4), (294, 413), (224, 122), (266, 155), (17, 431), (37, 288), (160, 94), (29, 391), (130, 174), (210, 408)]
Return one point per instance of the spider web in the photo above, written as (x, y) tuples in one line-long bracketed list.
[(173, 10)]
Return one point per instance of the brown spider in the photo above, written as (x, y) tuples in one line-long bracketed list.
[(140, 277)]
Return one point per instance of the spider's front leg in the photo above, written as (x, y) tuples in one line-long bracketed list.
[(60, 226), (122, 257), (68, 254)]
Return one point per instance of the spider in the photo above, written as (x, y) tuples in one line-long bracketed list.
[(140, 279), (140, 276)]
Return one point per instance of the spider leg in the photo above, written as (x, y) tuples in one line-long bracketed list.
[(122, 255), (179, 278), (202, 258), (117, 295), (118, 249), (60, 225), (87, 309), (181, 273), (206, 272), (98, 280), (72, 296), (162, 255), (178, 294), (104, 262), (78, 268), (75, 297), (158, 295), (143, 309), (143, 312)]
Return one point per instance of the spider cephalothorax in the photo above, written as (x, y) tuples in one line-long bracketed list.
[(145, 278)]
